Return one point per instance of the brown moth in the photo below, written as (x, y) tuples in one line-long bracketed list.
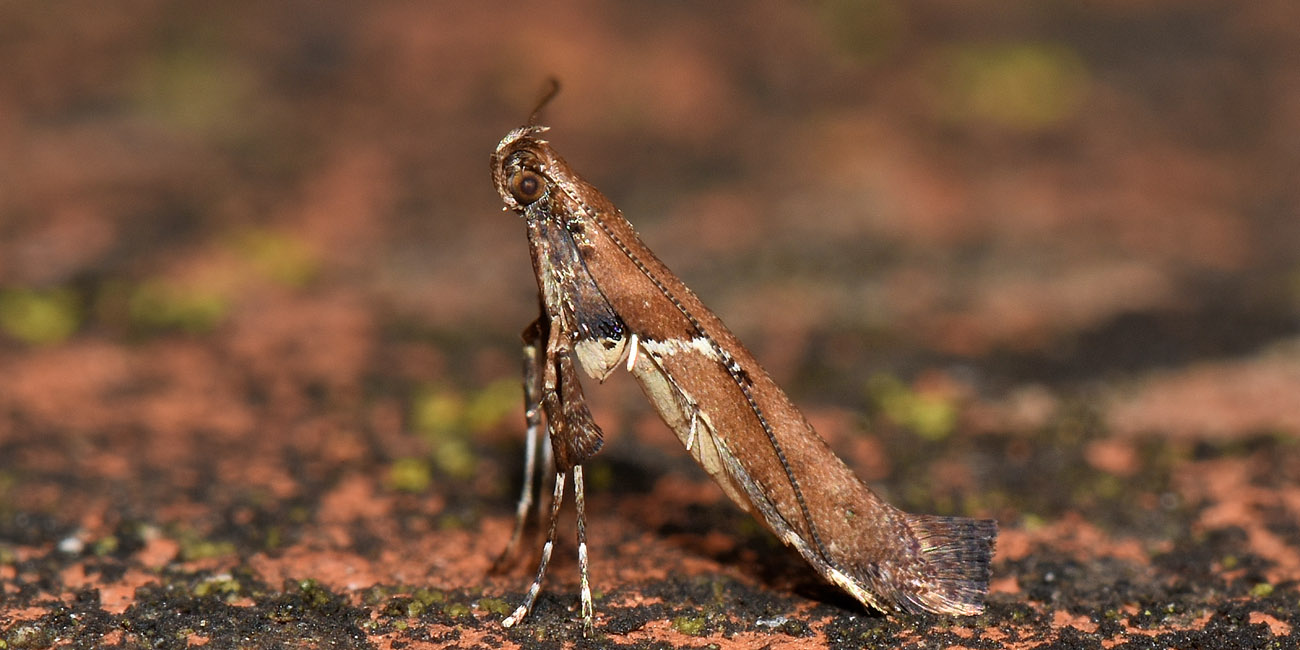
[(607, 302)]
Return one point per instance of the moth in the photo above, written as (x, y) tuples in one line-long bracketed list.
[(608, 303)]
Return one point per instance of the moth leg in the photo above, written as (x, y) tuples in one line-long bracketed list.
[(533, 421), (580, 501), (533, 589), (576, 441), (574, 437), (539, 384), (695, 422), (580, 437), (548, 478), (633, 347)]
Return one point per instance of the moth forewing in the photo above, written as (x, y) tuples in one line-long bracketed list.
[(694, 428), (608, 300), (847, 532)]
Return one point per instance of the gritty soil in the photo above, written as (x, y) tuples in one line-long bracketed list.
[(259, 315)]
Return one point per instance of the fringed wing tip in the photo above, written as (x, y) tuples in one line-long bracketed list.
[(957, 551)]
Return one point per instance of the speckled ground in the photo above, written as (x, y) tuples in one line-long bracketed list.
[(259, 312), (294, 532)]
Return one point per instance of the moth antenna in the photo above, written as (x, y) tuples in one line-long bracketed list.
[(552, 89)]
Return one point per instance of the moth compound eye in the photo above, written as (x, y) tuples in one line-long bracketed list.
[(526, 186)]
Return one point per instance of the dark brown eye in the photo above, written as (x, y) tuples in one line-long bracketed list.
[(526, 186)]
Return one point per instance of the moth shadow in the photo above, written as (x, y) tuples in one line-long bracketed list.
[(675, 503), (641, 492), (729, 537)]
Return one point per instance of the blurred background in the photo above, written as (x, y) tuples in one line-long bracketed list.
[(268, 226), (1047, 192)]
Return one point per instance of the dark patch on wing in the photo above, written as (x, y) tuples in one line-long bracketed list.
[(592, 315), (596, 319)]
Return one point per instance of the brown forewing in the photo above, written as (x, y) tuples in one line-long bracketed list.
[(849, 526)]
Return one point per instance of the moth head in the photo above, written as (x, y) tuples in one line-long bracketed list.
[(518, 169)]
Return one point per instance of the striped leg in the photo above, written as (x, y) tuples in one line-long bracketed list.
[(548, 460), (531, 596), (533, 419), (580, 500)]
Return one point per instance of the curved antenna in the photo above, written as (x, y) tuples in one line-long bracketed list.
[(552, 89)]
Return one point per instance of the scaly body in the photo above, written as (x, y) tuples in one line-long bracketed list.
[(609, 302)]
